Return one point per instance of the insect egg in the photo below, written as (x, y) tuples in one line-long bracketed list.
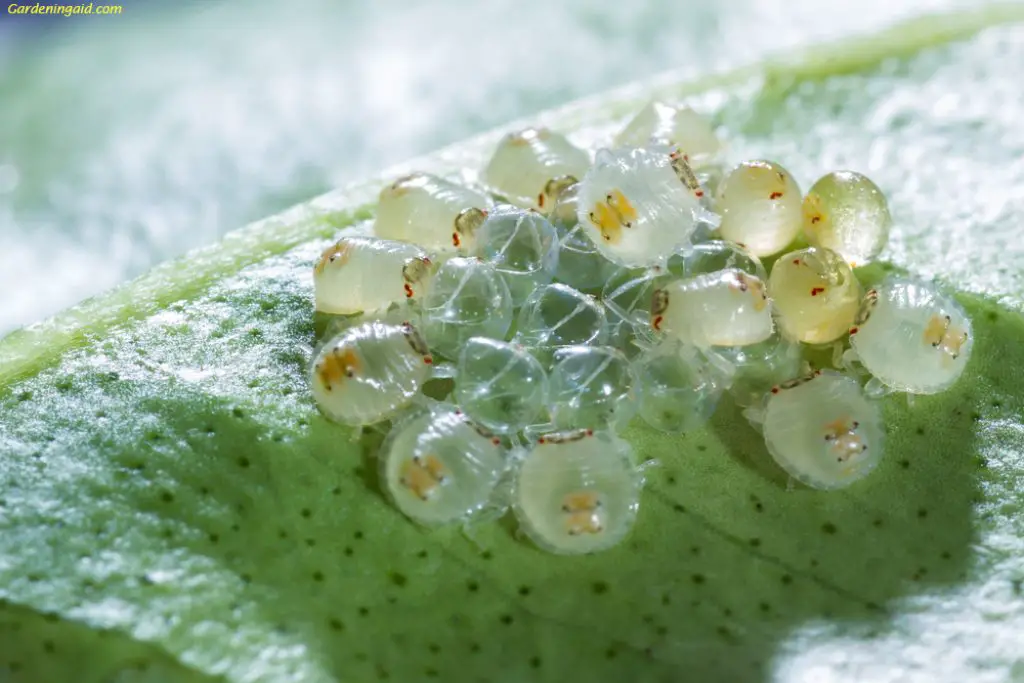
[(523, 247), (912, 337), (823, 431), (577, 492), (359, 274), (499, 385), (815, 294), (437, 467), (369, 372), (627, 298), (467, 298), (556, 316), (724, 308), (635, 207), (431, 212), (678, 388), (847, 213), (663, 123), (591, 386), (760, 206), (531, 167)]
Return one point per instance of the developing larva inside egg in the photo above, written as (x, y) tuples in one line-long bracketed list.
[(556, 316), (627, 298), (845, 212), (724, 308), (577, 492), (816, 295), (912, 337), (663, 123), (499, 385), (369, 372), (369, 274), (531, 167), (636, 207), (678, 387), (431, 212), (523, 247), (467, 298), (437, 467), (823, 431), (760, 204), (591, 386)]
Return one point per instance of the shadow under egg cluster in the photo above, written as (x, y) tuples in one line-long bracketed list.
[(563, 293)]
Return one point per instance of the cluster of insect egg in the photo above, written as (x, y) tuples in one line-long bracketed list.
[(564, 295)]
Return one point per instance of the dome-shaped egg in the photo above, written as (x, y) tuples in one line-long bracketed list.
[(531, 167), (677, 387), (556, 316), (499, 385), (815, 294), (577, 492), (523, 247), (591, 386), (846, 212), (467, 298), (663, 123), (823, 430), (438, 467), (912, 337), (369, 372), (431, 212), (760, 204), (369, 274)]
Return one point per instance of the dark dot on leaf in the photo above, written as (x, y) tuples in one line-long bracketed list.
[(905, 464), (358, 535), (945, 555), (167, 497), (243, 462), (610, 653), (678, 508), (877, 523), (336, 625), (318, 576), (336, 490), (422, 554), (697, 578), (238, 412), (236, 528), (724, 632), (486, 555), (245, 578), (306, 513), (670, 479), (25, 396), (920, 431), (506, 619), (363, 612), (661, 630), (474, 647), (666, 599), (535, 662), (48, 646), (764, 607), (755, 542), (434, 647), (787, 579), (992, 316), (922, 513), (430, 673), (524, 591), (695, 550), (203, 491), (701, 447), (398, 579), (282, 534), (828, 528), (348, 551), (997, 403), (214, 538), (599, 588), (311, 542), (472, 586), (975, 416)]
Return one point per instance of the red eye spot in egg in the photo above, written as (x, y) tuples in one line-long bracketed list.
[(699, 193), (815, 291), (796, 262), (590, 432), (408, 292), (774, 195), (541, 440), (775, 390), (656, 323), (428, 360), (496, 441), (540, 200), (853, 331), (455, 239)]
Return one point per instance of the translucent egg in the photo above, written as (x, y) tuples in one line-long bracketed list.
[(815, 294), (823, 430), (523, 247), (429, 211), (627, 298), (555, 316), (636, 207), (678, 388), (531, 167), (467, 298), (577, 492), (580, 264), (760, 205), (714, 256), (723, 308), (912, 337), (847, 213), (759, 367), (591, 386), (368, 274), (662, 123), (437, 467), (499, 385), (369, 372)]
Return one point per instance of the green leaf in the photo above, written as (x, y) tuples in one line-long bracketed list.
[(166, 479)]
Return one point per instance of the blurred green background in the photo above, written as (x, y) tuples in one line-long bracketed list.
[(127, 140)]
